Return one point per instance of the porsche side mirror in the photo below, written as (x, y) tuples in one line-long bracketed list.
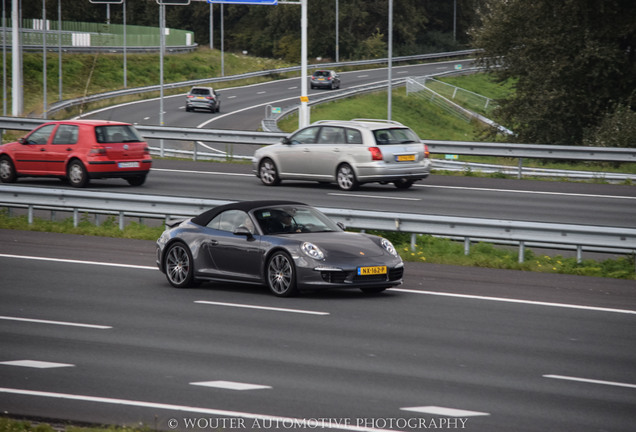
[(286, 141), (243, 231)]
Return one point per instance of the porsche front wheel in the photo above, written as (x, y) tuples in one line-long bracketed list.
[(281, 275)]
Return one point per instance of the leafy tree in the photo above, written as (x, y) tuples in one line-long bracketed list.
[(574, 61)]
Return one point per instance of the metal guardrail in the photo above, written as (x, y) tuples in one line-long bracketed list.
[(513, 150), (622, 240)]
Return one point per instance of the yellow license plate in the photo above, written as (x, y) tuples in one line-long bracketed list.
[(405, 158), (375, 270)]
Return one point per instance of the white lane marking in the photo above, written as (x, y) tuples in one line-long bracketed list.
[(362, 76), (231, 97), (60, 323), (285, 421), (445, 412), (508, 300), (78, 261), (374, 196), (230, 385), (36, 364), (591, 381), (516, 191), (276, 309), (201, 172), (505, 300), (292, 88)]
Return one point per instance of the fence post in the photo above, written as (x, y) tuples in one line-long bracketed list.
[(522, 252), (466, 245)]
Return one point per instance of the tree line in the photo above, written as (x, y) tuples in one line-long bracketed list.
[(419, 26), (572, 62)]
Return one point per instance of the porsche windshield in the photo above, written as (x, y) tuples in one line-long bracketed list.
[(293, 219)]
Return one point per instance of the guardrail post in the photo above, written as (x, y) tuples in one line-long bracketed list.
[(522, 252), (121, 221), (579, 254), (413, 242), (466, 246), (520, 172), (75, 218), (30, 214), (195, 151)]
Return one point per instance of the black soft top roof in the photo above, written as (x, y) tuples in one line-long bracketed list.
[(204, 218)]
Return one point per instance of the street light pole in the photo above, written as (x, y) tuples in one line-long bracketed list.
[(303, 114)]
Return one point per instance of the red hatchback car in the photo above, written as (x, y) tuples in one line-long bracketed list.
[(78, 151)]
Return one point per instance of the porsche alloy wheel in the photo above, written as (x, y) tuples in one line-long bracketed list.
[(178, 266), (281, 275)]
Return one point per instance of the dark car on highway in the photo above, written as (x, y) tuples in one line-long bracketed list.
[(325, 79), (203, 98), (287, 246)]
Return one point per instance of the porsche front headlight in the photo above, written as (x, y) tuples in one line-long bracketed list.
[(312, 251), (388, 246)]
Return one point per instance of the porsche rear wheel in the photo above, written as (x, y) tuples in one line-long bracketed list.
[(178, 265), (281, 275)]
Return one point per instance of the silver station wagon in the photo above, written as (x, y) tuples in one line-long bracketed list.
[(348, 153)]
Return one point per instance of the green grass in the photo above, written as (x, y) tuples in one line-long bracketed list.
[(13, 425), (428, 249)]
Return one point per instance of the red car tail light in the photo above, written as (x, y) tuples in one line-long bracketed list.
[(98, 150), (376, 153), (426, 153)]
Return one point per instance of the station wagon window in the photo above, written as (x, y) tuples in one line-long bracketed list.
[(331, 135), (395, 136), (116, 134), (305, 136), (230, 220), (40, 136), (66, 134), (354, 136)]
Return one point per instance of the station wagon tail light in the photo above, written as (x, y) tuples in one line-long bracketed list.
[(376, 153), (426, 153), (98, 150), (209, 97)]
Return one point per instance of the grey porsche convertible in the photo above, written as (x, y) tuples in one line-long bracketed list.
[(287, 246)]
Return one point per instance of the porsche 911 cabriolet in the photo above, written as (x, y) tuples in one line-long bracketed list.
[(287, 246)]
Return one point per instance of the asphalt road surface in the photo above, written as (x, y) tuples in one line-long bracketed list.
[(91, 331), (508, 199)]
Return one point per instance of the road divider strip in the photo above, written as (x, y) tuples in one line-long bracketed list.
[(518, 301), (71, 261), (276, 309), (60, 323), (591, 381)]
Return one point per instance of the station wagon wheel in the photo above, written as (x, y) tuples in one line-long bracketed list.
[(281, 275), (178, 265), (403, 184), (346, 178), (76, 174), (268, 172), (7, 170)]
